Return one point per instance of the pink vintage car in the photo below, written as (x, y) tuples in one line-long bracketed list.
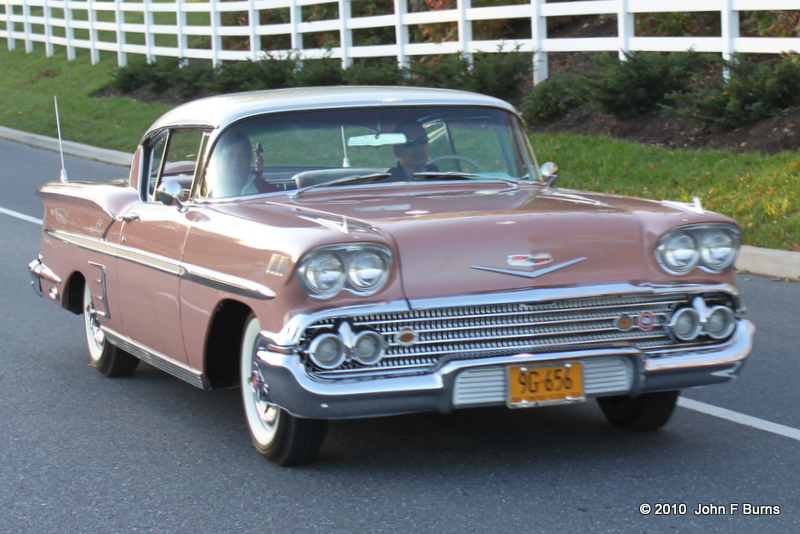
[(363, 251)]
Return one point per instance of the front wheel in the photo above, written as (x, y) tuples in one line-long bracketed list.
[(280, 437), (649, 411), (105, 357)]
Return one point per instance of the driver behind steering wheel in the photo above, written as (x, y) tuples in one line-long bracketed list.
[(413, 155)]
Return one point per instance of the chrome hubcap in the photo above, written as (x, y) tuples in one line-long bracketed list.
[(97, 332), (266, 411)]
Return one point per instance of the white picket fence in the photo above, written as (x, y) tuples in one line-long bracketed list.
[(104, 25)]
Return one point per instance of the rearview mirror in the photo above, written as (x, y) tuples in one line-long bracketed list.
[(377, 139)]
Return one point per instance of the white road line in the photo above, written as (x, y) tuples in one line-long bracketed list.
[(689, 404), (22, 216), (740, 418)]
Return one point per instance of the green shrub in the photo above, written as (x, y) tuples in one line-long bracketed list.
[(325, 71), (550, 99), (446, 71), (374, 73), (136, 74), (276, 73), (751, 92), (194, 78), (162, 73), (637, 85), (236, 76), (500, 74)]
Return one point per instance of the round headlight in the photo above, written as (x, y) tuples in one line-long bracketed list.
[(367, 270), (327, 351), (368, 347), (685, 324), (679, 252), (720, 322), (717, 249), (324, 273)]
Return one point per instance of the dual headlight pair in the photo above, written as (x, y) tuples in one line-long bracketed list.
[(690, 322), (361, 268), (713, 247), (331, 349)]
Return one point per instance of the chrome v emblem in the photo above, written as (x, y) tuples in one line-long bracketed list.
[(528, 274)]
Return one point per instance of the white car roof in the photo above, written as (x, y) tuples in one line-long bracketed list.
[(221, 110)]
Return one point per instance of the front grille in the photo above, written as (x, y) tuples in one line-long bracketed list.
[(505, 329)]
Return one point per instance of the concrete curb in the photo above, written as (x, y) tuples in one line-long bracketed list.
[(71, 148), (769, 262), (763, 261)]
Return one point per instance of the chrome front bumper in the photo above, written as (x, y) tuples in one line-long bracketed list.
[(481, 382)]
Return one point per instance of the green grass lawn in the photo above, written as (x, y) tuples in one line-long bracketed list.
[(761, 191), (28, 83)]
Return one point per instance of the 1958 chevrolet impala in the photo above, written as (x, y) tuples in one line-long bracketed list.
[(365, 251)]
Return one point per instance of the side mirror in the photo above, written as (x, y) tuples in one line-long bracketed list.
[(170, 193), (549, 172)]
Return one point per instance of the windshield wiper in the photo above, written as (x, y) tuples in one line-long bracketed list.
[(345, 180)]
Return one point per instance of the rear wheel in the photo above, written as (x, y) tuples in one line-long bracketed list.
[(279, 436), (105, 357), (649, 411)]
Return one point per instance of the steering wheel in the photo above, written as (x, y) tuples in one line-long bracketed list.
[(456, 157)]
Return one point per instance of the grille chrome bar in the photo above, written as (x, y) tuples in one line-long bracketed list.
[(428, 315), (479, 331)]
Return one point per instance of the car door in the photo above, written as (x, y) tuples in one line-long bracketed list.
[(151, 245)]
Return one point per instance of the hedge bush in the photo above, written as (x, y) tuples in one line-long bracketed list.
[(550, 99), (501, 74), (678, 83), (639, 84), (750, 92)]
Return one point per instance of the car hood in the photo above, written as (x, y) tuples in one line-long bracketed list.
[(486, 238)]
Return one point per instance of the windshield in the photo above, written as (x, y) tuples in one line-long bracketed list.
[(351, 146)]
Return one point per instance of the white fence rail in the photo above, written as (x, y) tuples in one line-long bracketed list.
[(143, 26)]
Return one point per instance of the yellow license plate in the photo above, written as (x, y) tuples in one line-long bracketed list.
[(545, 385)]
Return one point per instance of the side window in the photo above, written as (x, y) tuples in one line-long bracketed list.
[(155, 162), (174, 156)]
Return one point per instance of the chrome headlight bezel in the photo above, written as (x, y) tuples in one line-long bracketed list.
[(701, 238), (359, 265), (710, 241), (672, 261), (349, 256), (312, 264)]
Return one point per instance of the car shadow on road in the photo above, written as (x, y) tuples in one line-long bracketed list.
[(425, 442)]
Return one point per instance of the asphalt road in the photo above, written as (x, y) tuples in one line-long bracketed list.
[(83, 453)]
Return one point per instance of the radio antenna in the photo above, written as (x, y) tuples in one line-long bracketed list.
[(64, 178), (346, 160)]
